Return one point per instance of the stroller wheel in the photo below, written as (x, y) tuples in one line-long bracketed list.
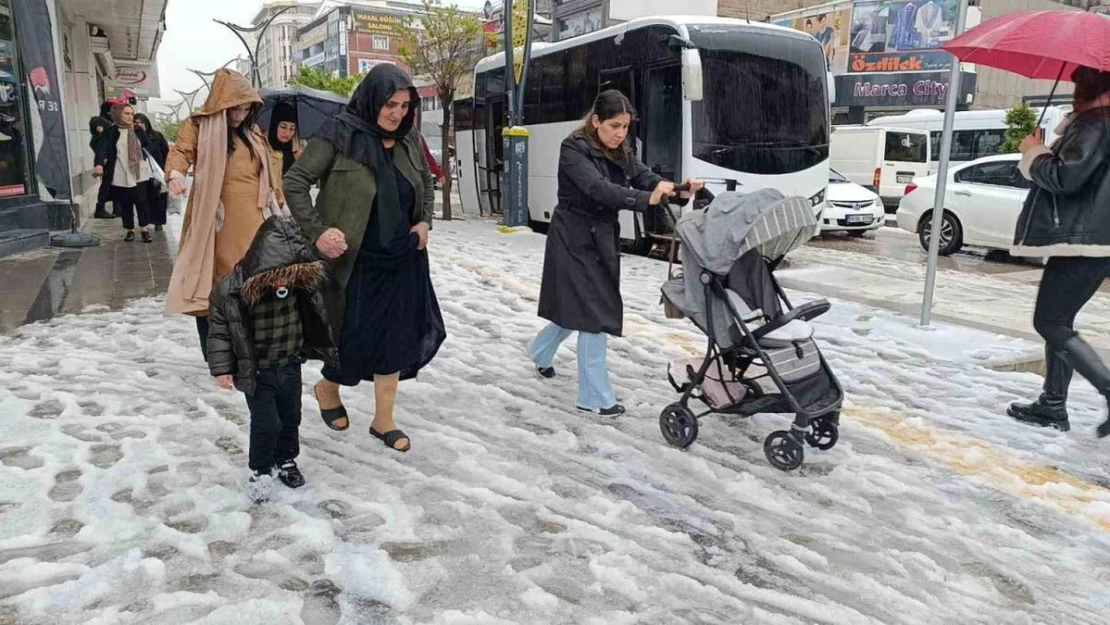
[(783, 451), (824, 435), (679, 425)]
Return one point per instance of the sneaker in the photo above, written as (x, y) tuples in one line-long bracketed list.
[(158, 228), (130, 236), (545, 373), (613, 411), (147, 237), (1042, 414), (290, 475), (260, 485)]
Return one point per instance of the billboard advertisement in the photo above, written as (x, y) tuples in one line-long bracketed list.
[(831, 27), (901, 35)]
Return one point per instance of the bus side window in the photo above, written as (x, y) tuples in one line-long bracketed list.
[(935, 138), (553, 89)]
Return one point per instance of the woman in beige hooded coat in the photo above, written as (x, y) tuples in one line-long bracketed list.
[(237, 179)]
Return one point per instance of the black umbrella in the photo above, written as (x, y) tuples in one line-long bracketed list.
[(313, 107)]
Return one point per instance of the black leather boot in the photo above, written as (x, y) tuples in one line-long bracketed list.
[(1050, 410), (1080, 355)]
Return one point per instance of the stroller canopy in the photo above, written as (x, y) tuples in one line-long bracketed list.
[(736, 223)]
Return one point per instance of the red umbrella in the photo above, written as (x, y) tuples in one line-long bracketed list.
[(1038, 44)]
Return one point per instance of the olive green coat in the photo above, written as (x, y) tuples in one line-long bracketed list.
[(347, 191)]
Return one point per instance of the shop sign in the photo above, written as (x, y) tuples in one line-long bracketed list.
[(923, 89), (378, 23)]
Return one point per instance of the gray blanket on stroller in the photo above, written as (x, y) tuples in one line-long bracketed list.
[(730, 227)]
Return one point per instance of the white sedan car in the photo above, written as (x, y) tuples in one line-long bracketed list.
[(982, 202), (851, 208)]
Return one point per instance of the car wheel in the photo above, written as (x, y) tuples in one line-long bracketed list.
[(951, 234)]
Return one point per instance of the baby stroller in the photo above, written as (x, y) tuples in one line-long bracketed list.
[(761, 356)]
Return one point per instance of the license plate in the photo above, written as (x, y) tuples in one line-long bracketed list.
[(860, 219), (904, 178)]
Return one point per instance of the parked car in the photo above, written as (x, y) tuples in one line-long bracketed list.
[(851, 208), (982, 202)]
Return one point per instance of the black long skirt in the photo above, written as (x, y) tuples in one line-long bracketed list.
[(392, 321)]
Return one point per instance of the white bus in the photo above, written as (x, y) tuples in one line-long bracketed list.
[(975, 134), (728, 101)]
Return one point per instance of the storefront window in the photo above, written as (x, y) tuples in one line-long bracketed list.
[(13, 160)]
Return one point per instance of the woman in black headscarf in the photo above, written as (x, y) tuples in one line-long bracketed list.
[(372, 219), (283, 135), (159, 151)]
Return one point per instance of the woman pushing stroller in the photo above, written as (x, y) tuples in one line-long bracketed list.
[(599, 176)]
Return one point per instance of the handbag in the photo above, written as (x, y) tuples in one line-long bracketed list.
[(157, 176)]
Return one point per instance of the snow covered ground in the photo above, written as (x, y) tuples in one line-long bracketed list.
[(122, 467)]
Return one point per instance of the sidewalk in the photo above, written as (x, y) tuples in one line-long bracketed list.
[(1001, 303), (42, 284)]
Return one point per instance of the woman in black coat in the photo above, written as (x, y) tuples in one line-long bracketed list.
[(599, 176), (1067, 218), (159, 151)]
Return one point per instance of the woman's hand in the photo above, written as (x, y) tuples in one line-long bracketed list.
[(663, 189), (695, 186), (226, 382), (297, 153), (332, 244), (98, 171), (177, 187), (1031, 141), (423, 230)]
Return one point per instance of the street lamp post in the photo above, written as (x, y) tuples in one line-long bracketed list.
[(204, 76), (258, 31), (516, 135)]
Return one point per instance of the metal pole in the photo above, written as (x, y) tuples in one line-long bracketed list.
[(942, 174)]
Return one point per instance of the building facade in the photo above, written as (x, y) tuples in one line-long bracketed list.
[(349, 40), (59, 59), (277, 48)]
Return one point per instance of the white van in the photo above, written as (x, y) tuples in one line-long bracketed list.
[(976, 134), (882, 159)]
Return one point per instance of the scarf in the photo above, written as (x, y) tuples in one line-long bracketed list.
[(283, 112), (134, 148), (355, 133), (195, 265)]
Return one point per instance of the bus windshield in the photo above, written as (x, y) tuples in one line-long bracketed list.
[(765, 109)]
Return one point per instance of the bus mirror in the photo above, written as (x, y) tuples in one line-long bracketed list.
[(832, 88), (692, 88)]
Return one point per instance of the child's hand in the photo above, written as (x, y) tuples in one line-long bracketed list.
[(226, 382)]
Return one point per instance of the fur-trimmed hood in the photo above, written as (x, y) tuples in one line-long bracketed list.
[(300, 276), (279, 256)]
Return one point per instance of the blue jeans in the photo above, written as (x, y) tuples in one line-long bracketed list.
[(595, 391)]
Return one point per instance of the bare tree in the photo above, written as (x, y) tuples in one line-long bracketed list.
[(444, 44)]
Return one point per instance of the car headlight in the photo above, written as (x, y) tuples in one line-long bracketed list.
[(819, 199)]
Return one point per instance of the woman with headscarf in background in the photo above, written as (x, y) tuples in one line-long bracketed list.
[(122, 164), (237, 176), (283, 135), (159, 150), (372, 218)]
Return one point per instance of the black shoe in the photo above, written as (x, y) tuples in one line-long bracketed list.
[(545, 373), (260, 486), (130, 236), (1045, 412), (614, 411), (102, 214), (158, 228), (147, 237), (290, 475)]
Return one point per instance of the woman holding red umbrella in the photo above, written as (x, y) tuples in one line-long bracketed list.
[(1067, 218)]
